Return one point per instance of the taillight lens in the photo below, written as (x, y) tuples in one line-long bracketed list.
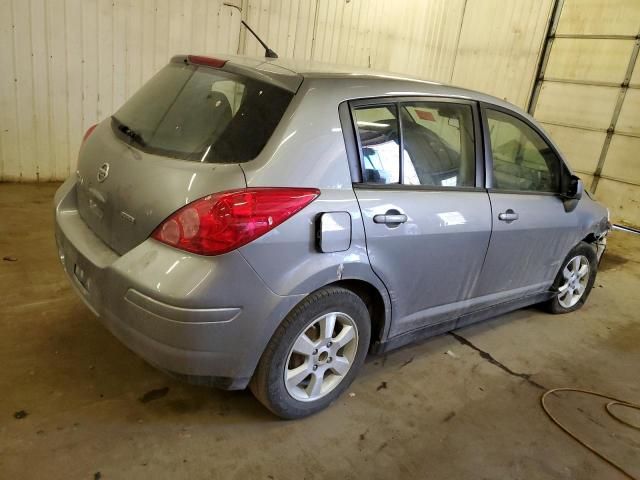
[(88, 132), (225, 221)]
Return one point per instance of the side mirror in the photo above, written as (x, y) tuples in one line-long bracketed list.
[(575, 188), (574, 192)]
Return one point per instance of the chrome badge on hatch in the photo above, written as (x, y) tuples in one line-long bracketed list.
[(103, 172)]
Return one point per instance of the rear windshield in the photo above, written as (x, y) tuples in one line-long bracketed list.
[(201, 114)]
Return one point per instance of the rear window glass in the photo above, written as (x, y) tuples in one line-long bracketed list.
[(201, 114)]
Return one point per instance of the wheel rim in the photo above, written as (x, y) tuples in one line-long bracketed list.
[(321, 356), (575, 278)]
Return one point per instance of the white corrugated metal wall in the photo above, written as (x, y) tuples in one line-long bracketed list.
[(69, 63), (589, 98), (65, 64), (488, 45)]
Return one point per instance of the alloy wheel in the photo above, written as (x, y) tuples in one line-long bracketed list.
[(321, 356), (575, 278)]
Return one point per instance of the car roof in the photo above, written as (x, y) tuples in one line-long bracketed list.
[(289, 74)]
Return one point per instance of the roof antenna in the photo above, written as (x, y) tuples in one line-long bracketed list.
[(268, 53)]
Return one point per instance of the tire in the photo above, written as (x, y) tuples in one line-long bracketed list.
[(567, 283), (322, 360)]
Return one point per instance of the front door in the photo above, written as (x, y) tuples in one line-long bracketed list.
[(427, 218), (532, 232)]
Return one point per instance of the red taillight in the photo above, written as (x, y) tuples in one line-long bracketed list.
[(208, 61), (225, 221), (88, 132)]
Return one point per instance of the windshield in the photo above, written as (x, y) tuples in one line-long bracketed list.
[(201, 114)]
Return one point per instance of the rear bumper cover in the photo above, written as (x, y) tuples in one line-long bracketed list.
[(205, 319)]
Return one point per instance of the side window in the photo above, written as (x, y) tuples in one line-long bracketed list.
[(522, 160), (379, 140), (439, 145)]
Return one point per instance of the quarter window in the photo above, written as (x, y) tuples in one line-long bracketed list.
[(379, 143), (522, 160)]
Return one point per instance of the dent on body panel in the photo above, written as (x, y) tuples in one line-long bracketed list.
[(591, 217), (289, 260), (307, 150), (542, 237), (588, 217)]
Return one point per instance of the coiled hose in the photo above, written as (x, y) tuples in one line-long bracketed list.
[(613, 401)]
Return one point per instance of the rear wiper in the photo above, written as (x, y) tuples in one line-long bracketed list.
[(132, 134)]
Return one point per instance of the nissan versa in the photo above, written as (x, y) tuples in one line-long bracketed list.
[(246, 222)]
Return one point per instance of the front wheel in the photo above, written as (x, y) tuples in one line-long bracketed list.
[(314, 355), (574, 280)]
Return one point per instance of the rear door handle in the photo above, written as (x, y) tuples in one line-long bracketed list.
[(390, 218), (508, 216)]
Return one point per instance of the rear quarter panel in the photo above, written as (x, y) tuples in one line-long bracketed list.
[(308, 150)]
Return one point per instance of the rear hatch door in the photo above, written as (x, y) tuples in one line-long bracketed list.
[(181, 137), (140, 190)]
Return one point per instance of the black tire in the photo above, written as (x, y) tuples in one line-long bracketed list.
[(268, 384), (588, 251)]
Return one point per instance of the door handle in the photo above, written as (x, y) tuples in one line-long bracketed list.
[(392, 218), (508, 216)]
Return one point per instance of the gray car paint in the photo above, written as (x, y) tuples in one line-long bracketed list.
[(416, 260), (211, 317), (192, 315), (141, 189), (333, 231), (525, 255)]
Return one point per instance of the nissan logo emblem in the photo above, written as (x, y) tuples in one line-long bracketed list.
[(103, 172)]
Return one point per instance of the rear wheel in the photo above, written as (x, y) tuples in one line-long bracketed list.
[(314, 355), (574, 280)]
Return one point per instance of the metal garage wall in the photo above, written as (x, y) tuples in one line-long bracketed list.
[(500, 45), (588, 97), (65, 64), (489, 45), (69, 63), (417, 37)]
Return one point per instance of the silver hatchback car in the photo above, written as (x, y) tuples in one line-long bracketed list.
[(255, 222)]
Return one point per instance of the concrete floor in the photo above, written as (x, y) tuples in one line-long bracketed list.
[(75, 403)]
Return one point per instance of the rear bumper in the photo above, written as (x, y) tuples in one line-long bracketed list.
[(206, 319)]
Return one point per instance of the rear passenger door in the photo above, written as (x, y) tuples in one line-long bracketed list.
[(426, 214), (532, 232)]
